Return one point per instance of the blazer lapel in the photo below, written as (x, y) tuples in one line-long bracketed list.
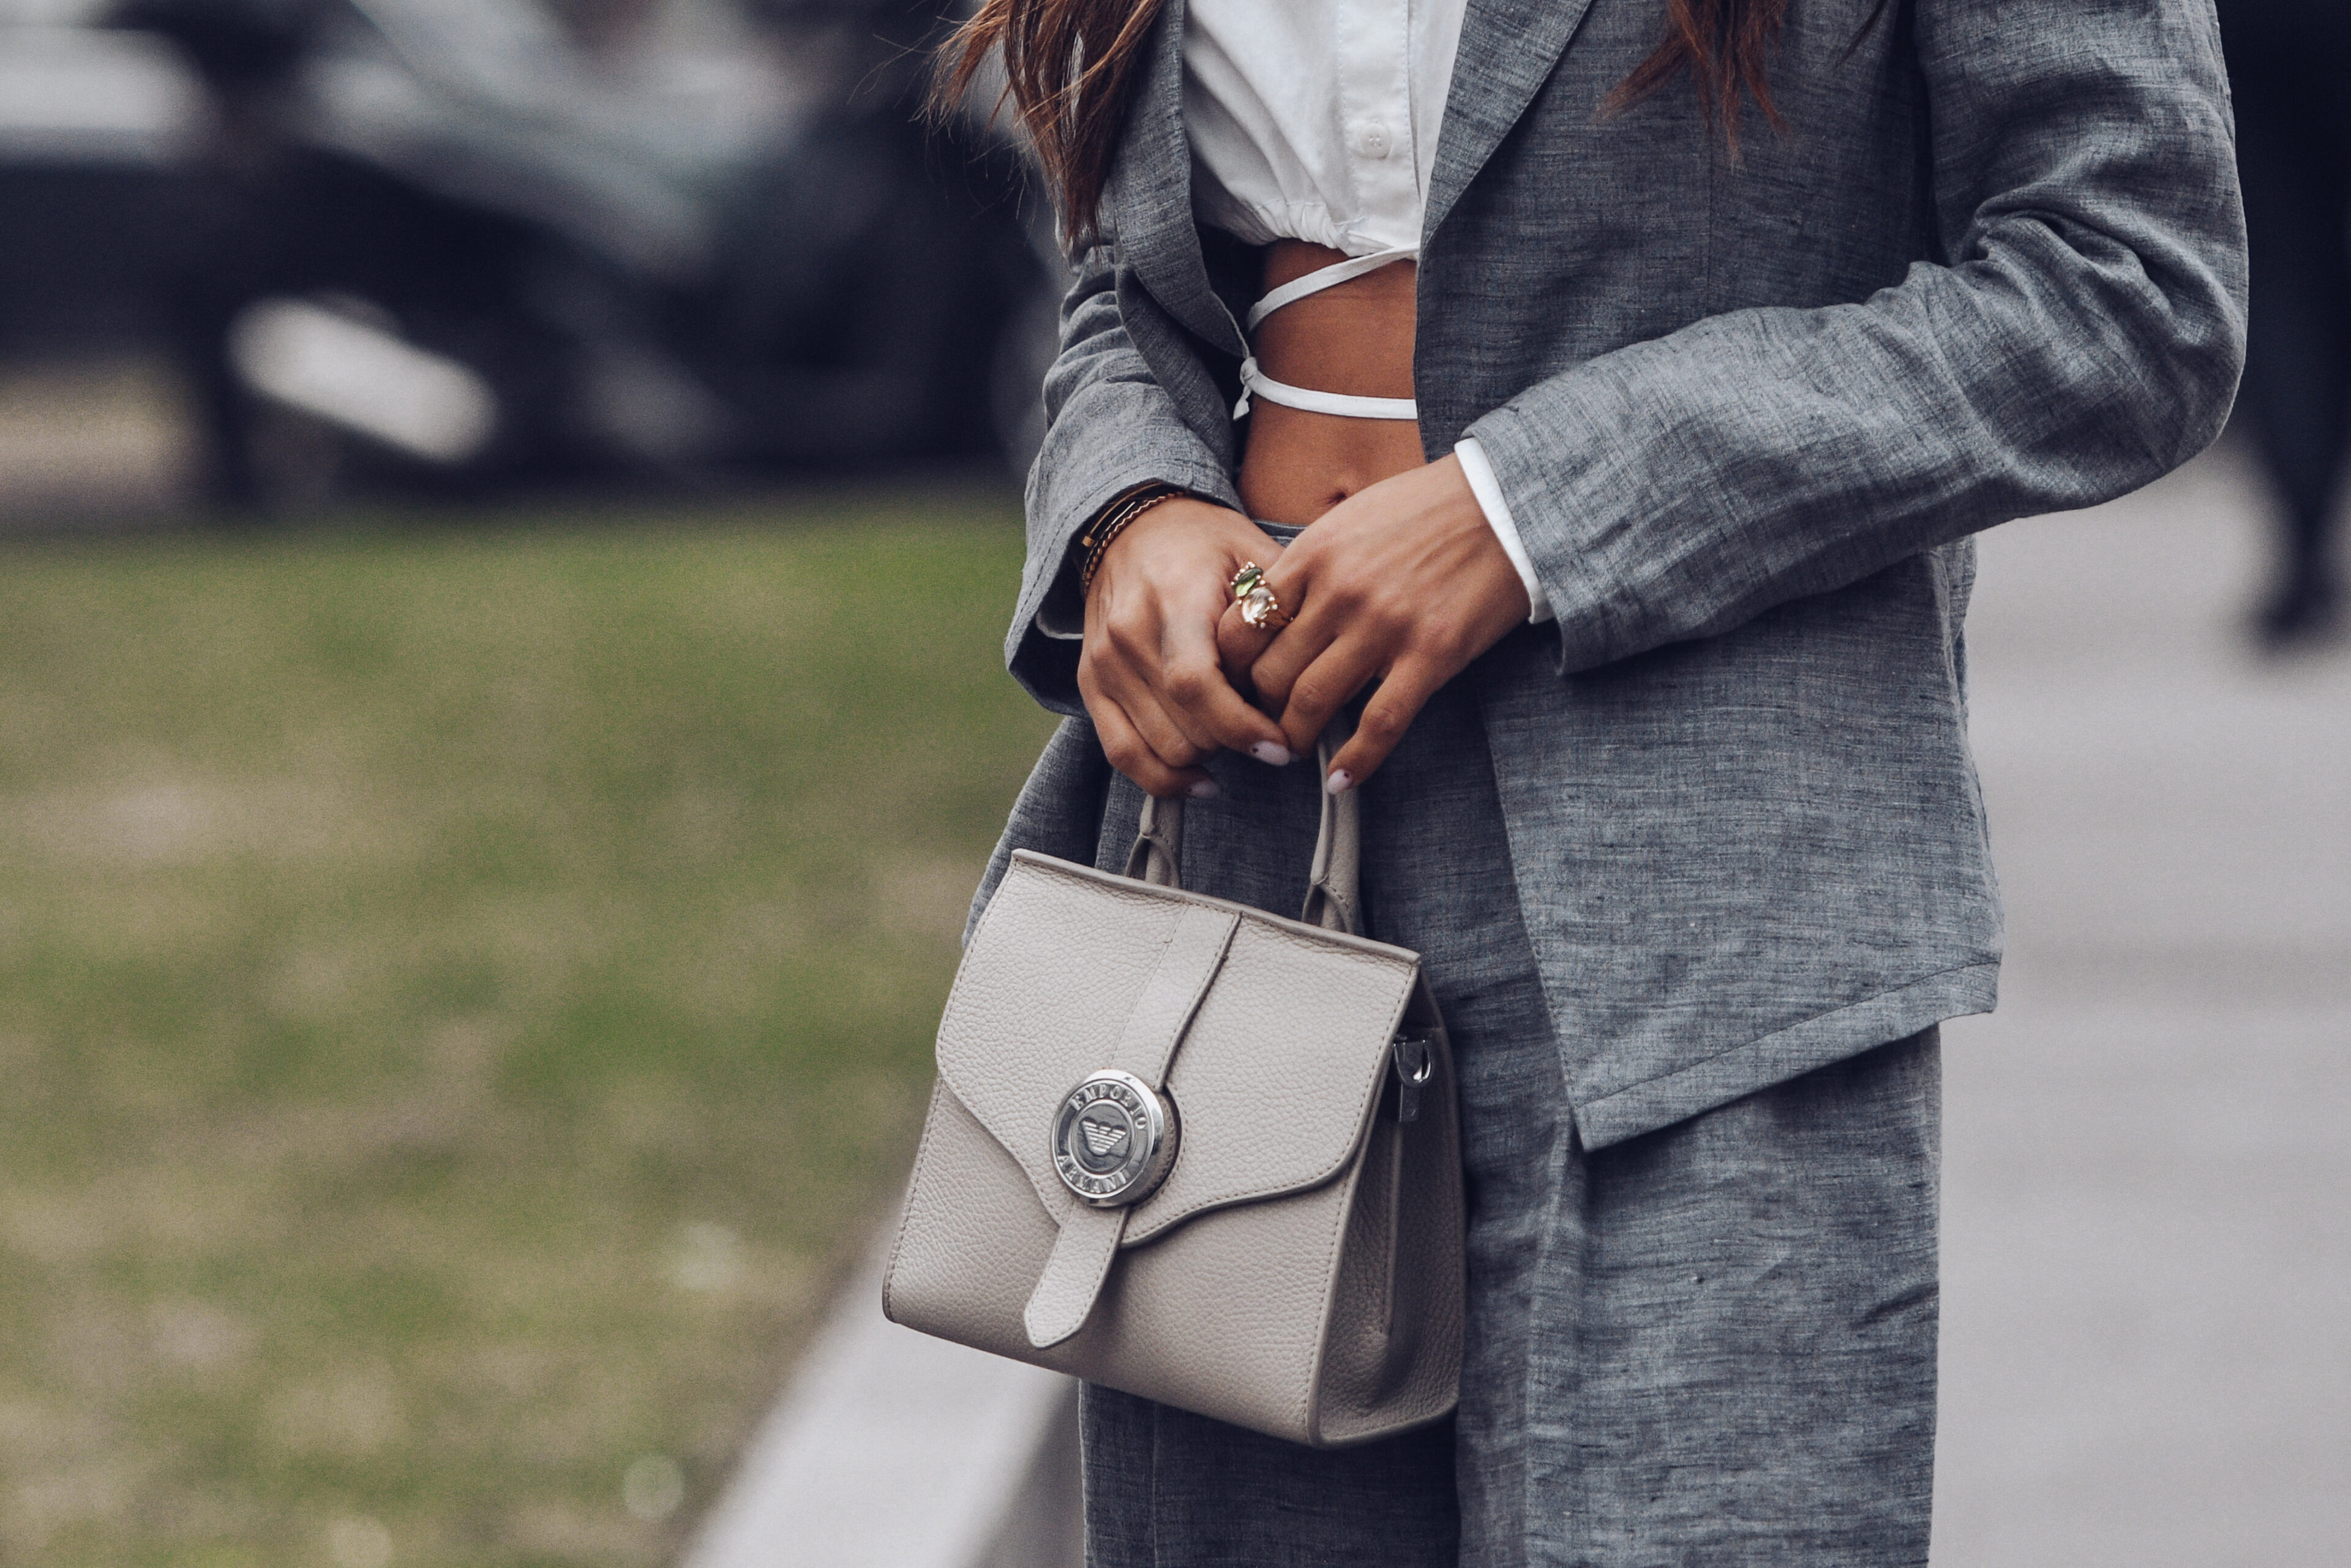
[(1150, 194), (1508, 49)]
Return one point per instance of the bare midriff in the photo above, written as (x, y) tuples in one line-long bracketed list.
[(1354, 337)]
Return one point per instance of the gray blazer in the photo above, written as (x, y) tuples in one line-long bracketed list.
[(1748, 413)]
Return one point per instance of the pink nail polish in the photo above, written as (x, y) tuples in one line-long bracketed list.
[(1203, 790), (1272, 756), (1340, 782)]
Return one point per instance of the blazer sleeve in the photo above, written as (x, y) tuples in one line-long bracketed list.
[(1109, 424), (2085, 338)]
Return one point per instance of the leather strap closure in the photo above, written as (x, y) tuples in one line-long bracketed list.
[(1065, 1293), (1073, 1276), (1195, 951)]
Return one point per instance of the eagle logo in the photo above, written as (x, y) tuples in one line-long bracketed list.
[(1114, 1139), (1104, 1140)]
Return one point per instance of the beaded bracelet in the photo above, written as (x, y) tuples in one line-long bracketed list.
[(1113, 520)]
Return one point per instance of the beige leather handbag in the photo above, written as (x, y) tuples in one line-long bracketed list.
[(1195, 1151)]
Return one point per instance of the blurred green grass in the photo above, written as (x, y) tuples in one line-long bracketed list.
[(464, 995)]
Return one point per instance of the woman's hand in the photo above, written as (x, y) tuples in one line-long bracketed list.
[(1149, 670), (1402, 583)]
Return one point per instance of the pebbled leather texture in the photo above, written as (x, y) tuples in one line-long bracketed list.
[(1195, 951), (1300, 1270), (1073, 1276)]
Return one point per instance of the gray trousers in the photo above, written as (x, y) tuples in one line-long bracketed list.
[(1709, 1346)]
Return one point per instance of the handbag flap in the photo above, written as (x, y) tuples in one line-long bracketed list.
[(1273, 1080)]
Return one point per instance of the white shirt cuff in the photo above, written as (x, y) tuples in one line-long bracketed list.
[(1481, 475)]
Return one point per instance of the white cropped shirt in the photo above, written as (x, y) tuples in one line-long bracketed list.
[(1317, 121)]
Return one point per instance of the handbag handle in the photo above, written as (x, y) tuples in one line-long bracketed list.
[(1335, 883)]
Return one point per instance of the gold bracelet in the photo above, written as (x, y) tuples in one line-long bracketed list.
[(1111, 510), (1115, 520)]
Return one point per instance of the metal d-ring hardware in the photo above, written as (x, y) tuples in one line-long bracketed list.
[(1114, 1139), (1415, 1064)]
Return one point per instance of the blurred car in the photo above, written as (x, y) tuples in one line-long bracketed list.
[(468, 244), (96, 132)]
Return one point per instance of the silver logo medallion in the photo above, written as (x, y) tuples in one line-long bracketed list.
[(1114, 1139)]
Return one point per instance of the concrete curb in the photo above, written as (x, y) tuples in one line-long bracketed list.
[(890, 1447)]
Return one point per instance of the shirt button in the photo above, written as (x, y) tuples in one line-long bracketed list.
[(1371, 139)]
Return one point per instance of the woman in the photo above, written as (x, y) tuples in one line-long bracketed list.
[(2290, 66), (1718, 349)]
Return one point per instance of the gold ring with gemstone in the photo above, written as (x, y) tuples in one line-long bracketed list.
[(1260, 611)]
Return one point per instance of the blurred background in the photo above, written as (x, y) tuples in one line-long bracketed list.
[(288, 252), (507, 509)]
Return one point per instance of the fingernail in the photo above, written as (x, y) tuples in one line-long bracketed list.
[(1271, 755), (1340, 782), (1203, 790)]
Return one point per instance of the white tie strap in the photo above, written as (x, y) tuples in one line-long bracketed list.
[(1255, 383)]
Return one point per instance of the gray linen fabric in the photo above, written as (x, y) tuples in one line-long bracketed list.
[(1748, 412), (1734, 1367), (1713, 1343)]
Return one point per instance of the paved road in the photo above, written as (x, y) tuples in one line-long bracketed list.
[(2147, 1353)]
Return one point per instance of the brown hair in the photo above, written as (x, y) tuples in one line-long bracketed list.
[(1725, 44), (1068, 65)]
